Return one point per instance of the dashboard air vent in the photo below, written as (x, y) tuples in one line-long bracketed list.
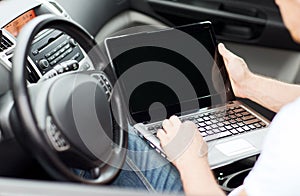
[(5, 43)]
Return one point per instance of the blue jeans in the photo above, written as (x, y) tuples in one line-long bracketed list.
[(146, 169)]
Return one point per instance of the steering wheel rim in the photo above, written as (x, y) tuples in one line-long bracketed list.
[(34, 138)]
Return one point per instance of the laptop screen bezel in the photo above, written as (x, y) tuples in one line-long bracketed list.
[(205, 25)]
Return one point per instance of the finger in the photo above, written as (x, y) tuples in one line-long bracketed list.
[(167, 125), (161, 134), (190, 126), (227, 54), (222, 52), (175, 121)]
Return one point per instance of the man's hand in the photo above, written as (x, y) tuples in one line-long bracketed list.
[(182, 142), (237, 69), (185, 147)]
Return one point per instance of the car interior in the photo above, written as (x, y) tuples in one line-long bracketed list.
[(52, 50)]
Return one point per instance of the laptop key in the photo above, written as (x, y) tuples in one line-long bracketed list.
[(249, 122), (158, 127), (228, 127), (246, 128), (262, 124), (220, 119), (212, 117), (226, 123), (210, 132), (241, 124), (201, 115), (252, 127), (232, 116), (227, 118), (200, 120), (195, 121), (150, 128), (230, 112), (235, 126), (257, 125), (191, 118), (208, 123), (234, 131), (240, 130), (239, 120), (223, 129), (208, 128), (239, 110), (214, 121), (245, 113), (232, 121), (202, 129), (217, 136), (154, 131), (245, 118), (239, 115), (206, 118), (220, 124), (202, 124), (203, 134)]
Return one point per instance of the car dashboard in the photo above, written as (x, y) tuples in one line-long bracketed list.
[(49, 48)]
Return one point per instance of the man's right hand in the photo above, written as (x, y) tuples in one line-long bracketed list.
[(237, 69)]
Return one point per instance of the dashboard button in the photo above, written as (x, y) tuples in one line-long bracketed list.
[(76, 56), (35, 52), (72, 42), (44, 64), (67, 47), (64, 43), (49, 54), (51, 58), (53, 63), (87, 66), (57, 54)]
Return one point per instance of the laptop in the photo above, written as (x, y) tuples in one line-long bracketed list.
[(179, 71)]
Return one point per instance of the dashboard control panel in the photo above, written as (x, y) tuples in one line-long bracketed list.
[(48, 52), (53, 48), (66, 66)]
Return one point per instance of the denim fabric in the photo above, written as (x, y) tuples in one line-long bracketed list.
[(146, 169)]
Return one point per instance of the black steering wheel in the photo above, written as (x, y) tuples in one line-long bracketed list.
[(67, 121)]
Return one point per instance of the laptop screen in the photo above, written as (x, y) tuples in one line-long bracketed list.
[(170, 71)]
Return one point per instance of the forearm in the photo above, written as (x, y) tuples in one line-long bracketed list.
[(270, 93), (199, 180)]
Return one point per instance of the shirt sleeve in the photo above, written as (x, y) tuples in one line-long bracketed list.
[(277, 170)]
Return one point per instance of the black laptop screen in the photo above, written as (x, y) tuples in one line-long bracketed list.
[(171, 71)]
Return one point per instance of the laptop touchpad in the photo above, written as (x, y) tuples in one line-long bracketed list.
[(235, 147)]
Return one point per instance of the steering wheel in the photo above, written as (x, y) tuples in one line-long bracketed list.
[(67, 121)]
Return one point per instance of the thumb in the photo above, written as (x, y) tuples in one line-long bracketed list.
[(225, 52)]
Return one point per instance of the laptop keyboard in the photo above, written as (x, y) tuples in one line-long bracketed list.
[(223, 123)]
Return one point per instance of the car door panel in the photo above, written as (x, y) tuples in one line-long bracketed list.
[(248, 22), (276, 63), (93, 14)]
